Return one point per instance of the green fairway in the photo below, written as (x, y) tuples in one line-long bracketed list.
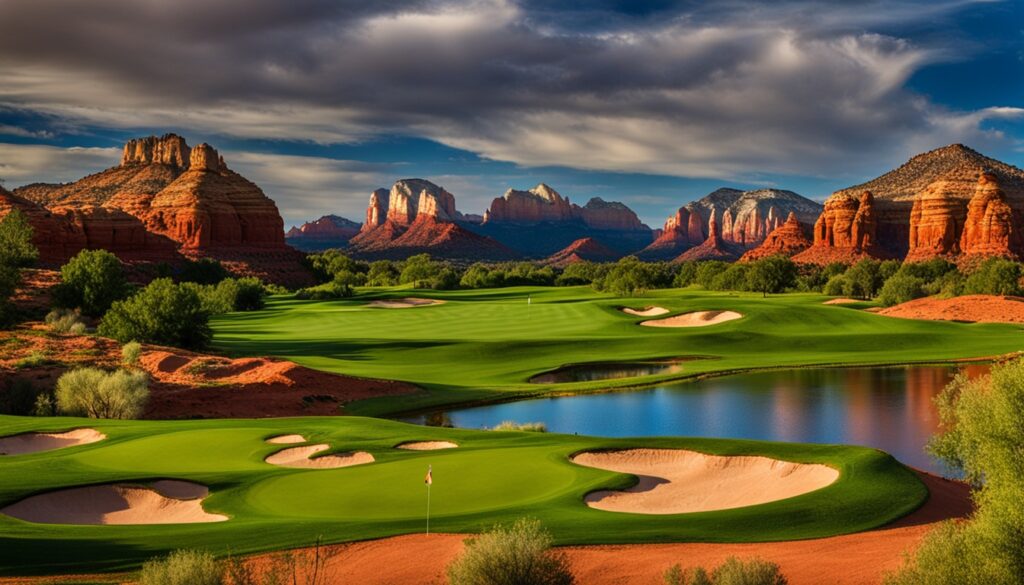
[(486, 344), (492, 477)]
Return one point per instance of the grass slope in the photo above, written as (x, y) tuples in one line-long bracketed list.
[(486, 344), (492, 477)]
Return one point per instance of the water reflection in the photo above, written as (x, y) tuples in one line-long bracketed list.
[(610, 371), (892, 409)]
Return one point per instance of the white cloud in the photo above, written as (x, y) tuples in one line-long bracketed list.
[(21, 164)]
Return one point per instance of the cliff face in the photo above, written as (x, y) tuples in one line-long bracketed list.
[(921, 210), (420, 216), (788, 239), (538, 205), (583, 249), (714, 247), (329, 231), (163, 201), (747, 217)]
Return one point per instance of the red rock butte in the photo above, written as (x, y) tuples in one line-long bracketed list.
[(163, 202)]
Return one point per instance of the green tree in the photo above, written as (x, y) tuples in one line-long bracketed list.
[(382, 273), (732, 278), (16, 252), (900, 288), (865, 278), (686, 276), (418, 270), (163, 313), (771, 275), (92, 280), (995, 276), (629, 276), (708, 270), (203, 271)]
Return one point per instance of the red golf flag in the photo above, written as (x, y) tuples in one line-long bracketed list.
[(430, 478)]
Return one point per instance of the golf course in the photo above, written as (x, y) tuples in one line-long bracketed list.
[(486, 345)]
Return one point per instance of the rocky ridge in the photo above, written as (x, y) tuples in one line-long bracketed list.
[(583, 249)]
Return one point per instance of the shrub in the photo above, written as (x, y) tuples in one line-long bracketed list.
[(731, 572), (130, 353), (92, 281), (837, 285), (629, 276), (708, 270), (66, 321), (995, 276), (203, 271), (163, 313), (732, 278), (516, 555), (16, 251), (34, 359), (901, 288), (99, 394), (18, 396), (249, 294), (299, 567), (686, 276), (509, 425), (865, 278), (382, 273), (771, 275), (181, 567)]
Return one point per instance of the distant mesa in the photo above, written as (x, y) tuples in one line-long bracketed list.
[(744, 221), (583, 249), (329, 231), (164, 202)]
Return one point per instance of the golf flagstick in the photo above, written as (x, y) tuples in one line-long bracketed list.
[(429, 480)]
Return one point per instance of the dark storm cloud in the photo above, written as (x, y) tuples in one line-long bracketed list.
[(666, 87)]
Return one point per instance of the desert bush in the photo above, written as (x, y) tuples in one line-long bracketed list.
[(995, 276), (163, 313), (66, 321), (532, 427), (130, 353), (92, 281), (181, 567), (203, 271), (97, 393), (34, 359), (18, 396), (519, 554), (771, 275), (300, 567), (731, 572), (900, 288)]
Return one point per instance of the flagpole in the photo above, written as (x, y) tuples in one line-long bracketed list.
[(430, 480)]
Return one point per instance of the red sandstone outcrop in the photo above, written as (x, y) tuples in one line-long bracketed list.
[(377, 211), (329, 231), (169, 149), (936, 220), (583, 249), (599, 214), (540, 204), (845, 232), (714, 247), (990, 228), (788, 239), (747, 217)]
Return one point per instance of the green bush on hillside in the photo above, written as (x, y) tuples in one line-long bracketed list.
[(96, 393), (901, 288), (66, 321), (16, 252), (162, 313), (91, 281), (130, 353), (629, 276), (203, 271), (995, 276), (181, 567), (771, 275), (519, 554), (731, 572)]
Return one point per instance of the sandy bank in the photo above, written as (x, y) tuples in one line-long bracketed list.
[(676, 481), (300, 458), (840, 301), (403, 303), (646, 311), (969, 308), (35, 442), (427, 445), (695, 319), (286, 439), (162, 502)]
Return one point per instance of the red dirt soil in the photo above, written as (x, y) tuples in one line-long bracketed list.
[(193, 385), (853, 559), (969, 308)]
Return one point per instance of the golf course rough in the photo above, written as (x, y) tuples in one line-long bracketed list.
[(486, 345), (492, 477)]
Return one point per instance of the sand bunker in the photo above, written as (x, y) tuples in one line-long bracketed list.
[(676, 481), (286, 439), (646, 311), (403, 303), (696, 319), (162, 502), (36, 442), (300, 458), (427, 445), (840, 301)]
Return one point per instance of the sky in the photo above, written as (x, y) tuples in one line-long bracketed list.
[(650, 103)]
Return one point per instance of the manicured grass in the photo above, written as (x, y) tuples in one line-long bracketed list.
[(486, 344), (492, 477)]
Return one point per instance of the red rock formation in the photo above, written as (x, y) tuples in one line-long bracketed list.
[(377, 211), (990, 229), (713, 248), (788, 239), (610, 215), (846, 231), (540, 204), (409, 197), (936, 220), (169, 149), (327, 232), (583, 249)]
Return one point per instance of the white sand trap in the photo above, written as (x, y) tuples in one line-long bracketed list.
[(840, 301), (299, 457), (645, 312), (695, 319), (286, 439), (403, 303), (36, 442), (676, 481), (163, 502), (427, 445)]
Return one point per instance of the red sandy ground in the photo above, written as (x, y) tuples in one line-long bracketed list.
[(972, 308), (192, 385), (854, 559)]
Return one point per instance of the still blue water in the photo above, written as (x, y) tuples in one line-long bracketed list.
[(892, 409)]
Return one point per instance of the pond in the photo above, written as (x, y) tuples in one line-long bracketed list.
[(892, 409)]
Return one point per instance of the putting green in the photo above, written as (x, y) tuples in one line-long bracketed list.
[(486, 344), (491, 477)]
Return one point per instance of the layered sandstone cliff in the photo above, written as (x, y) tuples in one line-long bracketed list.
[(329, 231), (714, 247), (992, 227), (788, 239)]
